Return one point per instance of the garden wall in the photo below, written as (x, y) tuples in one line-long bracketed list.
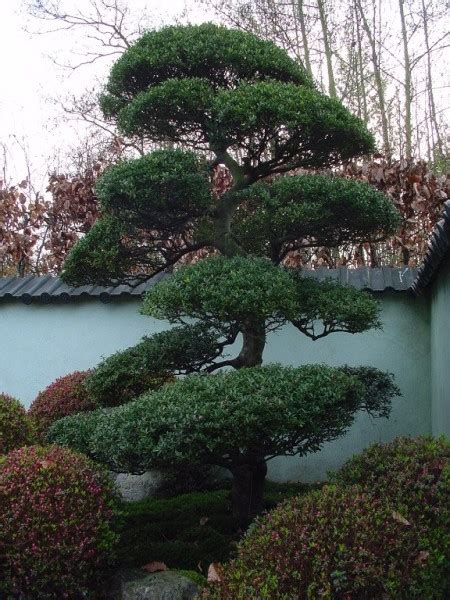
[(440, 352), (43, 341)]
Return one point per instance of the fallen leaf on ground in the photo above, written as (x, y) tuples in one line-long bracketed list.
[(155, 566), (215, 572)]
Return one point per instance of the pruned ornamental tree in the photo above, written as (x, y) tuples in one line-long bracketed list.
[(220, 96)]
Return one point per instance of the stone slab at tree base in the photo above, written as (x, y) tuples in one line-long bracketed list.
[(133, 584), (133, 488)]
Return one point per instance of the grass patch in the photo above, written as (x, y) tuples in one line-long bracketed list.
[(189, 531)]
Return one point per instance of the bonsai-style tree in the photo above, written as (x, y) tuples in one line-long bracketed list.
[(225, 97)]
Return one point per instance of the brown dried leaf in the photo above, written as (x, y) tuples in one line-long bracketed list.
[(155, 567), (400, 518), (215, 572)]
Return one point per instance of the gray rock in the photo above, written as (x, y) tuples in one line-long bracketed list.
[(133, 488), (166, 585)]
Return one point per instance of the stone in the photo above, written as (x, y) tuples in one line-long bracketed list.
[(166, 585), (133, 488)]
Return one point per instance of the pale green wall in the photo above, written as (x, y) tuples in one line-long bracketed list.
[(402, 348), (440, 352), (42, 342)]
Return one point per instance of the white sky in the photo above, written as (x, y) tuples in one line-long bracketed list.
[(30, 80)]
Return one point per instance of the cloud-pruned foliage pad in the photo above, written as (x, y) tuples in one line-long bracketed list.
[(228, 418)]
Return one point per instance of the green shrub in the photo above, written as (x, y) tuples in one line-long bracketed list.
[(412, 475), (183, 531), (384, 538), (151, 363), (56, 510), (188, 530), (65, 396), (16, 429)]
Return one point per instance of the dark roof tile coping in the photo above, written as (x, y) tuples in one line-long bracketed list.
[(438, 251), (48, 289)]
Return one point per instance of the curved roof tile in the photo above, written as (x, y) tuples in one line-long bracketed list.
[(47, 289), (438, 251)]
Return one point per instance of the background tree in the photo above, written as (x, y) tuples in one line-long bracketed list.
[(377, 56), (39, 227), (238, 101)]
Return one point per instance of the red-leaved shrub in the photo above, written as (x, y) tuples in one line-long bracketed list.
[(387, 537), (56, 510), (65, 396), (15, 426)]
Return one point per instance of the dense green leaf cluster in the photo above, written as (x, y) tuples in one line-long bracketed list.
[(100, 256), (224, 57), (291, 212), (128, 373), (225, 419), (163, 190), (177, 109), (241, 290), (222, 89), (221, 289), (285, 125)]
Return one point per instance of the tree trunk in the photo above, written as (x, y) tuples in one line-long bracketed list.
[(432, 105), (327, 48), (378, 81), (254, 340), (247, 492), (360, 69), (407, 84), (305, 44)]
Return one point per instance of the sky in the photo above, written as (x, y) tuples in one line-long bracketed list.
[(31, 120)]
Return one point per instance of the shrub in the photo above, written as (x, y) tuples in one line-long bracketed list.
[(384, 538), (412, 475), (235, 420), (184, 532), (65, 396), (15, 427), (408, 472), (56, 509)]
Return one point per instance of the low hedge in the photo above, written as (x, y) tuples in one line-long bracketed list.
[(56, 513), (16, 429), (386, 537)]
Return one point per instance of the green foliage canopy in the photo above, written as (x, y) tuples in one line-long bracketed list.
[(248, 105), (233, 95), (292, 212), (223, 57), (128, 373), (227, 418), (242, 290), (163, 190)]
